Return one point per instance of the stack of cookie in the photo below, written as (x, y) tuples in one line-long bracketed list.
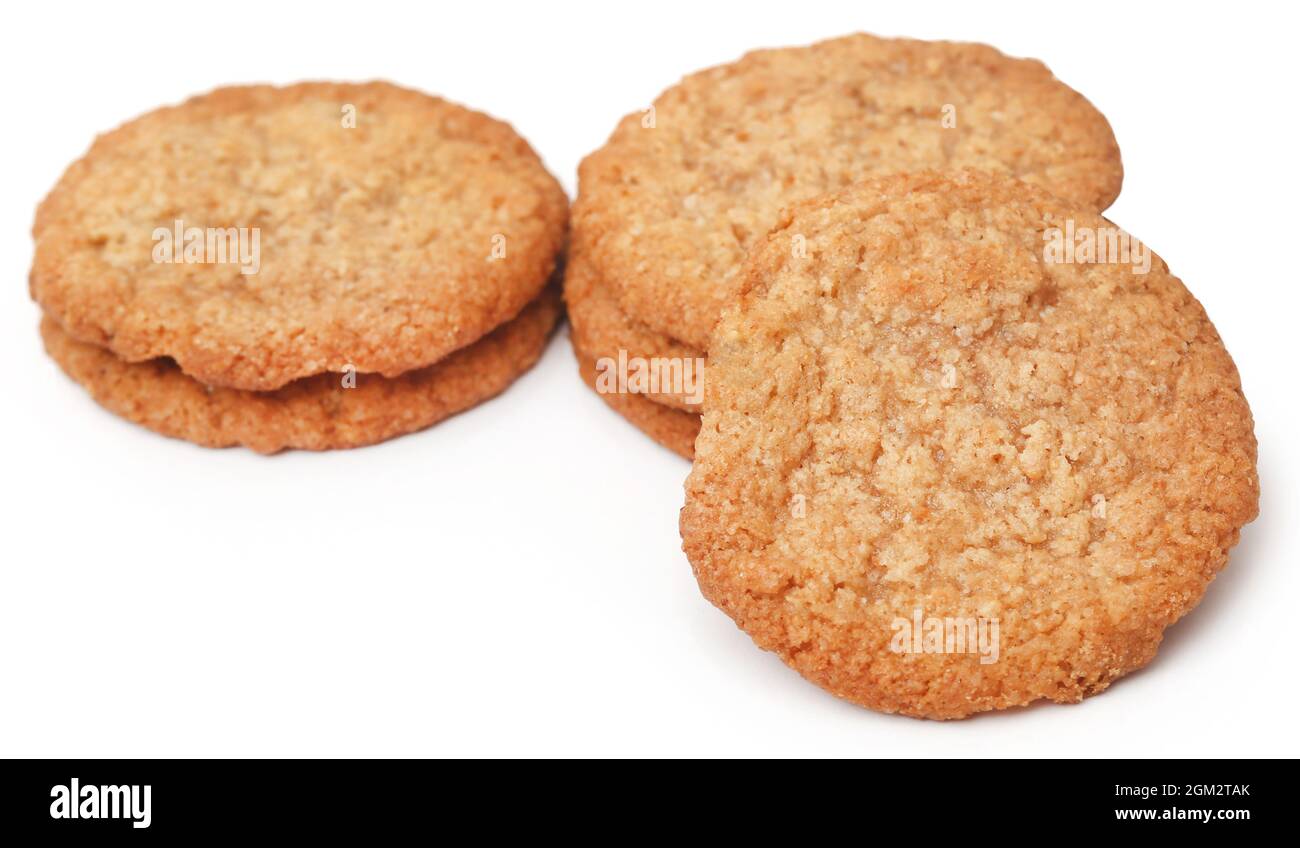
[(318, 266), (668, 209), (964, 444)]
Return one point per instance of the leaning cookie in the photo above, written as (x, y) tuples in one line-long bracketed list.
[(972, 448), (258, 235), (672, 428), (672, 373), (680, 192), (315, 413)]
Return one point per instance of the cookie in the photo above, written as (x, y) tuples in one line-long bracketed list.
[(950, 463), (674, 372), (260, 235), (314, 413), (672, 428), (679, 193)]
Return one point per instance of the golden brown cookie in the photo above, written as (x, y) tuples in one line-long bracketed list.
[(314, 413), (672, 428), (674, 371), (679, 193), (321, 225), (948, 466)]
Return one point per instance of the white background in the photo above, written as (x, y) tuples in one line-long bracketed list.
[(511, 581)]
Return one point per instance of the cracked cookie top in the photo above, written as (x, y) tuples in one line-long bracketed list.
[(924, 414)]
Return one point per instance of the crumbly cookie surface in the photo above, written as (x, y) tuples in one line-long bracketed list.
[(673, 207), (314, 413), (600, 327), (675, 429), (922, 418), (385, 245)]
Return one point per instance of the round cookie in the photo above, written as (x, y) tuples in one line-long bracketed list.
[(601, 328), (676, 197), (382, 229), (314, 413), (932, 416), (672, 428)]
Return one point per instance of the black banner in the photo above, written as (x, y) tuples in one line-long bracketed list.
[(144, 799)]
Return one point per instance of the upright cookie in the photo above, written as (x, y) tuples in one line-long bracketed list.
[(320, 412), (259, 235), (954, 459), (679, 193)]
